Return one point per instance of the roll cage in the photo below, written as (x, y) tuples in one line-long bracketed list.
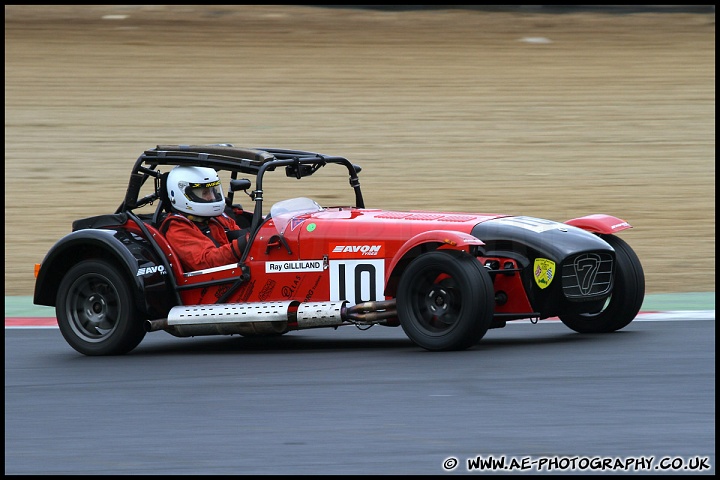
[(226, 157)]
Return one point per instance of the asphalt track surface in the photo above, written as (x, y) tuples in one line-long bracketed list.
[(364, 402)]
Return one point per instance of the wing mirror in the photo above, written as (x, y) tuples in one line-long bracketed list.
[(239, 184)]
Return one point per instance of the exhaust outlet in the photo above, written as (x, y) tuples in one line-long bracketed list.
[(369, 313)]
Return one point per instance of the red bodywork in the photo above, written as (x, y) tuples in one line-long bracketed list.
[(340, 253)]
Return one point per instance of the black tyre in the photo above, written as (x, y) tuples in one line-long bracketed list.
[(627, 295), (96, 311), (445, 300)]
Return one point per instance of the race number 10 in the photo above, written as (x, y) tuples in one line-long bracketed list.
[(357, 280)]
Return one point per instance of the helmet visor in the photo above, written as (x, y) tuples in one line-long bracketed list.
[(209, 192)]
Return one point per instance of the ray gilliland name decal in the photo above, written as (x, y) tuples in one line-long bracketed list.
[(300, 266), (544, 272)]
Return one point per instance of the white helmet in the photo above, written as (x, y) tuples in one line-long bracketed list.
[(196, 190)]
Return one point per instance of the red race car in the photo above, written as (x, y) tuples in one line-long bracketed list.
[(445, 278)]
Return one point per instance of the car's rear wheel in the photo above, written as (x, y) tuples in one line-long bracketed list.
[(445, 300), (96, 311), (627, 295)]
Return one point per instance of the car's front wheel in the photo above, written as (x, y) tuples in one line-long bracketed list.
[(627, 295), (96, 311), (445, 300)]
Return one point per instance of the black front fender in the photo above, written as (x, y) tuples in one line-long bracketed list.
[(529, 240), (533, 237)]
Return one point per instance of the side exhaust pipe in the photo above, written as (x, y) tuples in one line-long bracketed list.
[(224, 319), (268, 317)]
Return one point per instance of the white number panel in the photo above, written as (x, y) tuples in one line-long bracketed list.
[(357, 280)]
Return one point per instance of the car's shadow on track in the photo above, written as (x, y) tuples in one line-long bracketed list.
[(285, 343), (390, 341)]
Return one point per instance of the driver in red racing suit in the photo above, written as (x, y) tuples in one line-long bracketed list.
[(198, 230)]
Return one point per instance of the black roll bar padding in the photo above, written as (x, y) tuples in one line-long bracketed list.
[(221, 150), (137, 179), (133, 190)]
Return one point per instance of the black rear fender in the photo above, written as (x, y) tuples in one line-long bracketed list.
[(130, 254)]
